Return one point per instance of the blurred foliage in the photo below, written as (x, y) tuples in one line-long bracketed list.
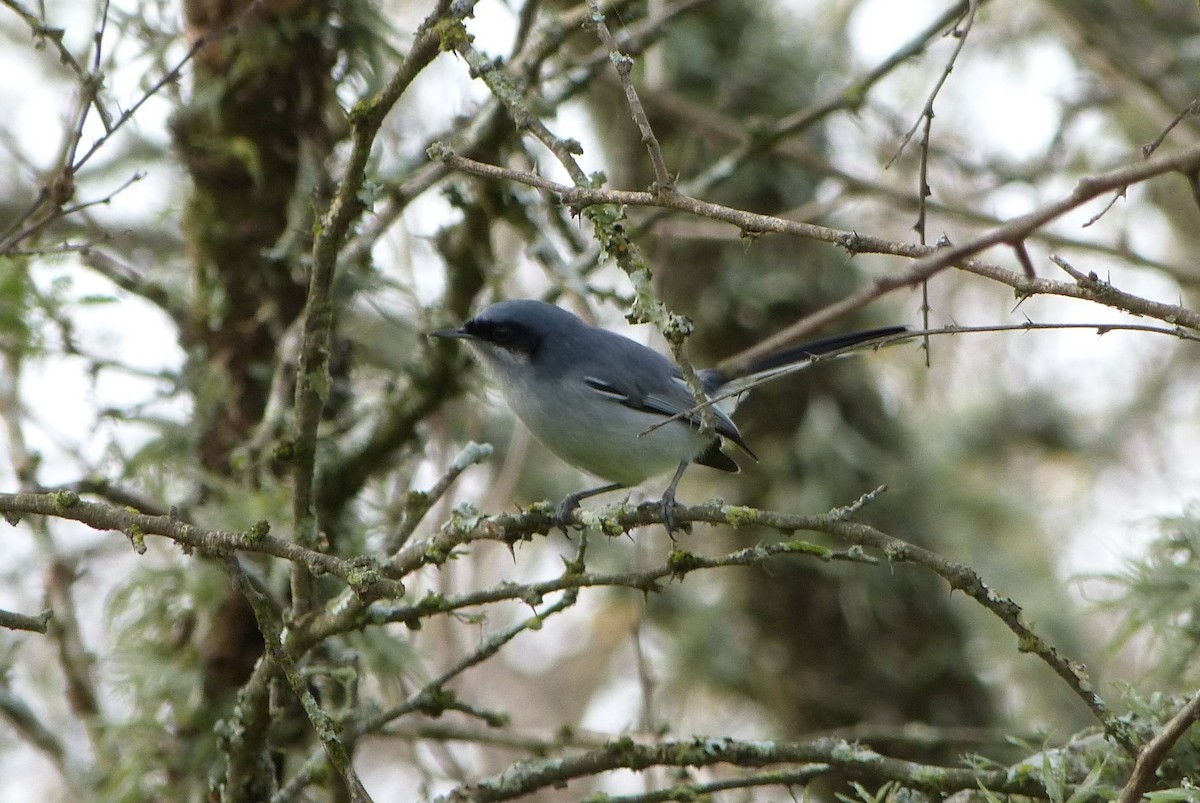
[(1160, 599), (982, 454)]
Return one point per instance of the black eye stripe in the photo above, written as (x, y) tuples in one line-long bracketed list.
[(506, 334)]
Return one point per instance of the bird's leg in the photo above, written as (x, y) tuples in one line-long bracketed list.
[(668, 500), (568, 505)]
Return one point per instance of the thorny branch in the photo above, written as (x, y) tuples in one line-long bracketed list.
[(622, 519), (313, 364), (510, 528), (323, 725), (855, 761), (432, 698), (368, 585), (925, 121), (928, 260), (67, 505), (624, 66)]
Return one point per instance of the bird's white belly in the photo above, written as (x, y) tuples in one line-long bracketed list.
[(601, 436)]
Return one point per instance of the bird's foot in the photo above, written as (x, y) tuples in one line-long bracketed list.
[(668, 513), (562, 513), (567, 506)]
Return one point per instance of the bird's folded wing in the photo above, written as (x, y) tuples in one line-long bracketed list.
[(676, 398)]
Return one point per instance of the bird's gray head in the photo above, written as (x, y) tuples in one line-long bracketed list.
[(517, 331)]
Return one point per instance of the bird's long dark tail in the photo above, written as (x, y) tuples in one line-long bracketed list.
[(826, 345)]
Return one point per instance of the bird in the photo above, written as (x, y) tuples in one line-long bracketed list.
[(598, 400)]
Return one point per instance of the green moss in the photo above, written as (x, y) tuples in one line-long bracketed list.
[(432, 602), (258, 531), (436, 556), (64, 500), (438, 701), (928, 777), (681, 562), (362, 576), (137, 537), (451, 34), (808, 548), (740, 516), (284, 451)]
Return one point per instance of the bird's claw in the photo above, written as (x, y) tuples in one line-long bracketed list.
[(668, 513), (562, 513)]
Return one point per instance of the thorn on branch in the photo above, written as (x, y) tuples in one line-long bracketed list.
[(851, 242)]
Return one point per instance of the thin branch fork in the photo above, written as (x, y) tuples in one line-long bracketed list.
[(929, 260), (624, 66), (332, 743)]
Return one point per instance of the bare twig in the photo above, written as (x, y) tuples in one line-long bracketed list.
[(1022, 254), (21, 621), (930, 260), (45, 34), (50, 202), (960, 33), (1147, 149), (508, 528), (677, 565), (417, 504), (705, 790), (624, 66), (1192, 108), (725, 127), (283, 378)]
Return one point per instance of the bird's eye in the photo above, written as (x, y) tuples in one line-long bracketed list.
[(502, 333)]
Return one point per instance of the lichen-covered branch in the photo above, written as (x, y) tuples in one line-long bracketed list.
[(854, 761), (67, 505), (312, 379), (511, 528)]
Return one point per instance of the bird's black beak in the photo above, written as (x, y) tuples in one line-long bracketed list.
[(461, 333)]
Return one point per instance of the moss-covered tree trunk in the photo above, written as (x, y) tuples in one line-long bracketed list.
[(254, 142)]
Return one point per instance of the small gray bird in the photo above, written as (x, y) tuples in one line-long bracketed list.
[(590, 395)]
